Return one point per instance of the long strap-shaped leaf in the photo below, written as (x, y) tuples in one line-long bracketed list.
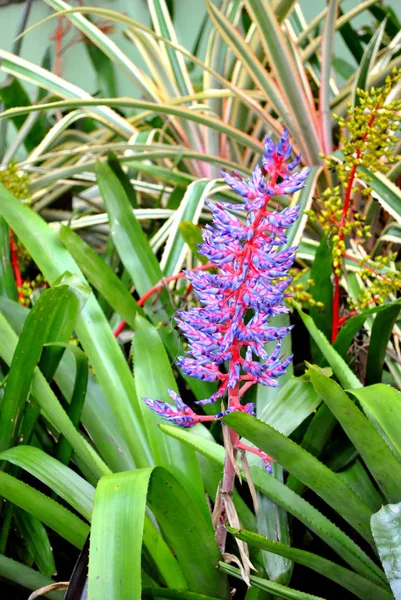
[(294, 504), (61, 479), (45, 509), (280, 591), (54, 314), (29, 72), (154, 107), (306, 468), (342, 371), (378, 457), (92, 328), (117, 529), (255, 68), (382, 405), (109, 47), (153, 375), (97, 416), (285, 70), (324, 93), (189, 210), (29, 578), (361, 587), (140, 261), (43, 394)]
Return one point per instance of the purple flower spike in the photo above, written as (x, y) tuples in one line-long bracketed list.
[(227, 335)]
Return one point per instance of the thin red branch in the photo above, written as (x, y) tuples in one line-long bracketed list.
[(14, 263), (347, 201), (159, 286)]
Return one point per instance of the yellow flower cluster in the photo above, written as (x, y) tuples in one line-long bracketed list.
[(299, 288), (366, 143), (28, 287), (381, 280)]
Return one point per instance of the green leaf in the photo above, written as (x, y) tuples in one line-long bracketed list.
[(25, 576), (131, 243), (192, 236), (189, 210), (43, 394), (92, 328), (117, 574), (354, 324), (140, 262), (342, 371), (359, 480), (283, 66), (97, 416), (58, 518), (116, 536), (328, 36), (322, 290), (361, 587), (351, 39), (306, 468), (367, 62), (294, 504), (12, 93), (382, 405), (60, 479), (53, 315), (104, 70), (380, 335), (153, 375), (278, 590), (74, 410), (293, 403), (378, 457), (101, 276), (161, 557), (156, 592), (115, 165), (386, 193), (386, 526), (36, 540)]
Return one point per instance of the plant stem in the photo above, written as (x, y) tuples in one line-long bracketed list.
[(226, 489), (159, 285), (347, 201)]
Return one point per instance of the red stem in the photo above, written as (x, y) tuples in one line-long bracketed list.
[(347, 200), (14, 263), (159, 286)]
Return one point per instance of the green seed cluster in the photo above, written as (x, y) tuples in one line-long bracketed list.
[(381, 280), (17, 183), (366, 142)]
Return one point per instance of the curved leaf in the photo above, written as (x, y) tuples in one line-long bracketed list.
[(117, 574), (306, 468), (45, 509), (386, 525), (294, 504), (63, 481), (378, 457), (361, 587)]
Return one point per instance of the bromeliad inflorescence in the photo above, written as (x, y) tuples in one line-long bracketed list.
[(228, 334)]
